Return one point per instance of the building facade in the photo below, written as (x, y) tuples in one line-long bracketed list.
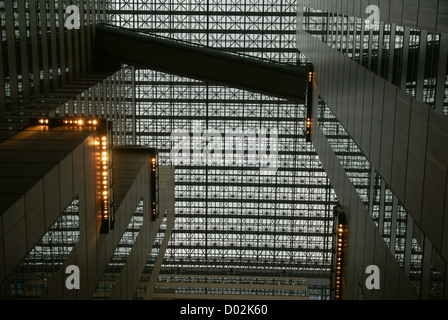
[(380, 106), (375, 109), (58, 239)]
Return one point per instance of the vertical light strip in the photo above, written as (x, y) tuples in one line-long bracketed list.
[(32, 275), (104, 184), (103, 159), (309, 103), (339, 256), (153, 177)]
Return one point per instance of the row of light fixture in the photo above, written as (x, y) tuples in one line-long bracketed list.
[(80, 122), (338, 279), (66, 121), (340, 242), (310, 76), (309, 104), (104, 180), (308, 126), (154, 192)]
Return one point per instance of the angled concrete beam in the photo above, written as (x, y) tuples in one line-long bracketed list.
[(117, 45)]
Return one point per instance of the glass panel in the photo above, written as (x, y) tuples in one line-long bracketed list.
[(415, 277), (376, 199), (386, 56), (150, 263), (356, 165), (398, 56), (111, 275), (400, 237), (431, 66), (387, 222), (437, 277), (371, 47), (31, 277), (375, 56), (414, 47)]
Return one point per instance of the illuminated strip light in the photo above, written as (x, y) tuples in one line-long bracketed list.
[(93, 122), (339, 256), (339, 263), (75, 122), (104, 182), (309, 103), (103, 152), (311, 75), (66, 121), (308, 129), (154, 194), (103, 160)]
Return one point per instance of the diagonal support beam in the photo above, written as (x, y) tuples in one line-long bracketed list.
[(118, 45)]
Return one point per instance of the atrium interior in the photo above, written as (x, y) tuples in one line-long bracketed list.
[(285, 146)]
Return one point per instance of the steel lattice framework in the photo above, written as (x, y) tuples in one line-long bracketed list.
[(230, 217), (263, 29)]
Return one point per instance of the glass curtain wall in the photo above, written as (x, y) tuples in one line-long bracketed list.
[(414, 60), (401, 234), (231, 216), (30, 278)]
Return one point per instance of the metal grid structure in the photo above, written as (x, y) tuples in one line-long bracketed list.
[(263, 29), (231, 218), (232, 287), (45, 64)]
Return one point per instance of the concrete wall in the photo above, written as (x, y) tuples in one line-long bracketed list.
[(365, 243), (94, 250), (37, 183), (130, 275), (56, 179), (403, 138)]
